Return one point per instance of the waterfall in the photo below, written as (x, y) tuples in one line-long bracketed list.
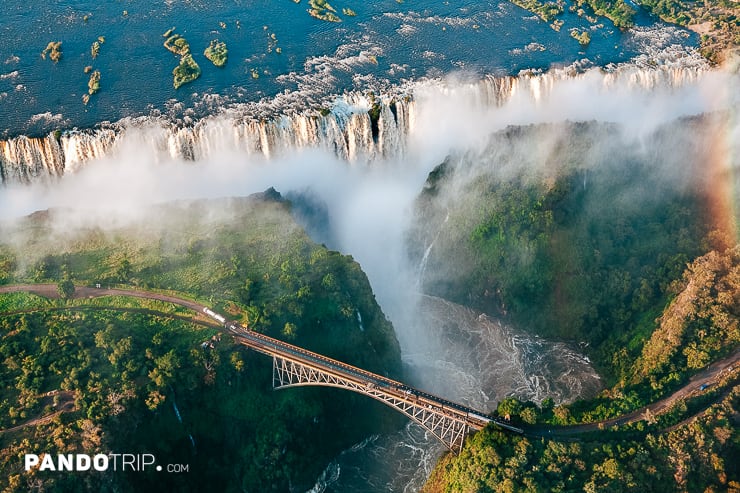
[(427, 253), (347, 130), (80, 147), (25, 159)]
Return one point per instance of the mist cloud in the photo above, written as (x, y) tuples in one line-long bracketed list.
[(370, 206)]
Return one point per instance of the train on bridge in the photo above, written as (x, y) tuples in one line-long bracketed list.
[(271, 347)]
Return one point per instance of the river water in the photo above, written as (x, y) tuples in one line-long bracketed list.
[(455, 352), (385, 44), (447, 349), (389, 48)]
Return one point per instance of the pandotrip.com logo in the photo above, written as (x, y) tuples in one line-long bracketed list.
[(99, 462)]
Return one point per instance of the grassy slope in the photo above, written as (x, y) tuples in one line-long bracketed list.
[(690, 455), (243, 256), (591, 250)]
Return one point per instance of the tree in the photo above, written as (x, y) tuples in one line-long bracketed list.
[(528, 415), (509, 407), (124, 270), (289, 330), (66, 289)]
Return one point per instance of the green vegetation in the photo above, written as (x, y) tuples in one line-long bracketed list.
[(717, 22), (616, 257), (321, 9), (541, 248), (177, 45), (349, 12), (54, 50), (547, 11), (690, 447), (95, 49), (66, 289), (584, 38), (93, 85), (672, 451), (117, 369), (696, 456), (186, 72), (621, 14), (217, 53), (21, 301), (700, 325)]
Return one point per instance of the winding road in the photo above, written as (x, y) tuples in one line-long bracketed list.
[(696, 384)]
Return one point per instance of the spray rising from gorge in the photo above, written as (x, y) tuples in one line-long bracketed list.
[(360, 128), (367, 161)]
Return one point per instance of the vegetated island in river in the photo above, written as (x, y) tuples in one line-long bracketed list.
[(649, 287), (188, 70), (112, 374), (54, 50), (217, 53), (717, 22), (322, 10)]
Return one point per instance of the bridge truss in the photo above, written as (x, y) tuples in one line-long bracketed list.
[(448, 427)]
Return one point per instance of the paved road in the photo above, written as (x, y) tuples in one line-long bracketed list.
[(50, 291), (270, 346), (706, 377)]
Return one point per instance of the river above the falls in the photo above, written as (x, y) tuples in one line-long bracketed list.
[(280, 58)]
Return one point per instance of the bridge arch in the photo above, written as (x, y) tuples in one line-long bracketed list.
[(449, 428)]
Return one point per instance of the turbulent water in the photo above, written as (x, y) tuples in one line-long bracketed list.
[(300, 62), (368, 172), (348, 131), (353, 121), (472, 359)]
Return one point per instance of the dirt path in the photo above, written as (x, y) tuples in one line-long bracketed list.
[(196, 319), (81, 292), (66, 404)]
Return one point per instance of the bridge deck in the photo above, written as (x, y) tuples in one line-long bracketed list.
[(274, 347)]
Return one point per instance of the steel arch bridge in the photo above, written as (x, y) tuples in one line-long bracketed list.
[(449, 428), (293, 366)]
